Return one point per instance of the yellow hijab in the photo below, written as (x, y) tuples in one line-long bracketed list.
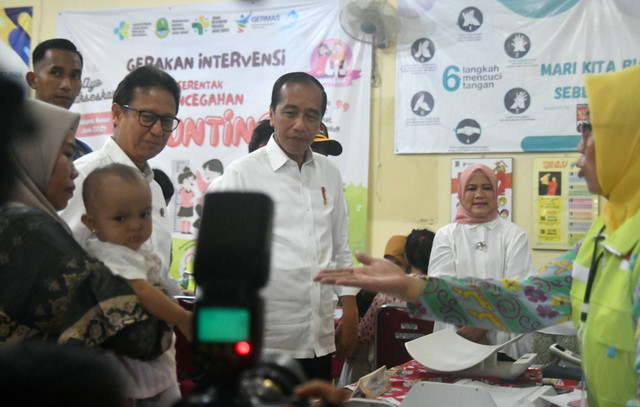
[(614, 104)]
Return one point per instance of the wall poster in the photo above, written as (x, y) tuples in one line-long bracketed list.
[(564, 207), (479, 76)]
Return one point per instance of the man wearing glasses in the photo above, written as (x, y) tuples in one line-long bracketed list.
[(144, 110)]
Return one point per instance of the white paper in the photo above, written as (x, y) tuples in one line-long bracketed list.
[(563, 400), (359, 402), (565, 328), (513, 396), (471, 393), (446, 351)]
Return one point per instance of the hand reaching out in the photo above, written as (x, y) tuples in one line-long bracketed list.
[(376, 275)]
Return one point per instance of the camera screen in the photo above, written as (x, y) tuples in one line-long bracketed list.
[(222, 324)]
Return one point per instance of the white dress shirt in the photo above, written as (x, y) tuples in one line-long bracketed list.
[(124, 262), (309, 234), (496, 249)]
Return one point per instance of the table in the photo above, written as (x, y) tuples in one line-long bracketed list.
[(406, 375)]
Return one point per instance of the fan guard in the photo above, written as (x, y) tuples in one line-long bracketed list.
[(370, 21)]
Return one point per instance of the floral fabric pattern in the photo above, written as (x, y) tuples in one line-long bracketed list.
[(540, 301)]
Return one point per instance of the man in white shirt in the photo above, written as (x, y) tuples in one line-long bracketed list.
[(309, 233), (144, 110)]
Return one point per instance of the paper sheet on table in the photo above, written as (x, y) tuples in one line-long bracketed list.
[(513, 396), (472, 393), (572, 399), (564, 328), (367, 403), (446, 351)]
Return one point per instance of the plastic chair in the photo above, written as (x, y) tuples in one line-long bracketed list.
[(394, 327)]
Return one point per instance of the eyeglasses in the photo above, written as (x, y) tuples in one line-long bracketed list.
[(148, 119)]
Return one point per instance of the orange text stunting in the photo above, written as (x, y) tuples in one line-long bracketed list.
[(228, 129)]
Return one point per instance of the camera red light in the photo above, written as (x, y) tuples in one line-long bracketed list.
[(243, 348)]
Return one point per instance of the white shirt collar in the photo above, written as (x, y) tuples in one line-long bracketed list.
[(118, 155), (277, 156), (492, 224)]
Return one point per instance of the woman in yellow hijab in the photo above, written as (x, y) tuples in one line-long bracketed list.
[(604, 293), (599, 291)]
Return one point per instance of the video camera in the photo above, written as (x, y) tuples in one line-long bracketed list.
[(232, 262)]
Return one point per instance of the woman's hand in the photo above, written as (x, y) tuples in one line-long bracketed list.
[(376, 275)]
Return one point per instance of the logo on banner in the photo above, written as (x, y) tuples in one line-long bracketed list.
[(15, 25), (470, 19), (422, 50), (200, 25), (162, 27), (517, 45), (331, 62), (264, 21), (468, 131), (422, 103), (517, 100), (122, 31), (292, 20), (242, 22)]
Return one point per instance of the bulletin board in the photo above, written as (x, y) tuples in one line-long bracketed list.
[(564, 208)]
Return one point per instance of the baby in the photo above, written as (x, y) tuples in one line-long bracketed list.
[(117, 199)]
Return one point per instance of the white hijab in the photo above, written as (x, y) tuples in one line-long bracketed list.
[(36, 155)]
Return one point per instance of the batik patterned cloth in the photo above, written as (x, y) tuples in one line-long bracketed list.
[(51, 289)]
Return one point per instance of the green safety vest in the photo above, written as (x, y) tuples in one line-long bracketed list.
[(608, 337)]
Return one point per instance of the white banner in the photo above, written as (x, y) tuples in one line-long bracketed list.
[(226, 57), (504, 75)]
